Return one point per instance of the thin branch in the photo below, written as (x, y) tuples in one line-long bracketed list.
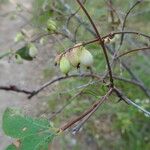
[(91, 110), (67, 7), (110, 35), (126, 16), (135, 78), (85, 119), (72, 15), (81, 86), (15, 89), (130, 32), (131, 51), (71, 11), (111, 13), (64, 106), (112, 9), (143, 87), (134, 82), (62, 78), (100, 40), (76, 31), (130, 102)]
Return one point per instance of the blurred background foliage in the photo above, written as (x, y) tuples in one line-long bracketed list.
[(115, 126)]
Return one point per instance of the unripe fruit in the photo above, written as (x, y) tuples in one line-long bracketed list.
[(18, 60), (74, 55), (33, 51), (86, 58), (51, 25), (65, 65), (19, 37)]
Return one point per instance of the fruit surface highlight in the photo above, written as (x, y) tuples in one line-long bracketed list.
[(33, 51), (86, 58)]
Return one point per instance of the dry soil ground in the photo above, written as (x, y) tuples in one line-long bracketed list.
[(28, 75)]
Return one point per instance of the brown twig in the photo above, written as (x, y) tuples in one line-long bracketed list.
[(72, 15), (35, 92), (131, 73), (64, 106), (82, 122), (110, 35), (76, 31), (113, 10), (14, 88), (125, 19), (143, 87), (136, 83), (130, 102), (131, 51), (91, 110), (130, 32), (101, 42)]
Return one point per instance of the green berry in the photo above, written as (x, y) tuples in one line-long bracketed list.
[(51, 25), (65, 65)]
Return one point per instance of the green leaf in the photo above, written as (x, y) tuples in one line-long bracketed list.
[(34, 134), (11, 147), (39, 142), (24, 53)]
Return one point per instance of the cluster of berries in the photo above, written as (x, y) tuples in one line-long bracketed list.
[(74, 58)]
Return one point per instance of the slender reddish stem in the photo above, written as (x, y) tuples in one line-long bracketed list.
[(131, 51), (108, 35), (101, 42), (92, 109), (125, 19)]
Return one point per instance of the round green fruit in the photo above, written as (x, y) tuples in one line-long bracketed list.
[(51, 25), (65, 65)]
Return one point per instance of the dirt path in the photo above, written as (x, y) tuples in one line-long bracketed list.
[(29, 75)]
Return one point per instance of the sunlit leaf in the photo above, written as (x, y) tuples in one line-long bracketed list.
[(24, 53), (33, 134)]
